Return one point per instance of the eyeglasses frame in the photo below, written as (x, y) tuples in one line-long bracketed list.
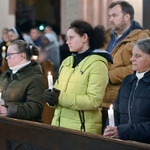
[(10, 54)]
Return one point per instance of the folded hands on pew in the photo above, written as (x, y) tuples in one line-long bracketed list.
[(111, 132)]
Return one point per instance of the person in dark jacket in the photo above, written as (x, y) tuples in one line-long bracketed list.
[(22, 84), (132, 117), (50, 51)]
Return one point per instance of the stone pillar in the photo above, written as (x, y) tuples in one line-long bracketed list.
[(70, 10), (7, 17)]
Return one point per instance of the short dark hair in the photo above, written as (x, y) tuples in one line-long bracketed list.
[(125, 6)]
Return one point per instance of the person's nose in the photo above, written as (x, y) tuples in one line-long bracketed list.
[(132, 58), (111, 19), (67, 41)]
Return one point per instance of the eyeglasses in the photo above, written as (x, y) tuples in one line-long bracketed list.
[(9, 55)]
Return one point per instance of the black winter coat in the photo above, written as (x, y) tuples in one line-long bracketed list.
[(132, 109), (23, 92)]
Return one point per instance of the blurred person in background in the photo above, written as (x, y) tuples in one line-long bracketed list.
[(27, 38), (36, 36), (15, 34), (50, 51), (49, 29), (3, 48)]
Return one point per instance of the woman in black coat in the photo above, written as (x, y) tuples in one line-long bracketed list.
[(132, 117)]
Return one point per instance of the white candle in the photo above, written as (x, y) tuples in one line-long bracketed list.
[(50, 80), (111, 116)]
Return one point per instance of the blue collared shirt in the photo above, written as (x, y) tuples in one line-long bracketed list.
[(114, 40)]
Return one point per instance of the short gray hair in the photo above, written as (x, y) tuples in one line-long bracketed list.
[(144, 45)]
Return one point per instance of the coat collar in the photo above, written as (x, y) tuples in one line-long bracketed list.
[(24, 72), (85, 63), (146, 77)]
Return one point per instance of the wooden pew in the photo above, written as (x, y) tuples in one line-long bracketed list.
[(25, 135)]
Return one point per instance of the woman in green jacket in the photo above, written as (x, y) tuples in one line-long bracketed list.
[(82, 80), (22, 85)]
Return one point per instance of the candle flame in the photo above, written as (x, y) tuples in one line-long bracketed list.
[(111, 106), (49, 73), (3, 48)]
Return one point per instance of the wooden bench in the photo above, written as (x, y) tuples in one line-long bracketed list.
[(27, 135)]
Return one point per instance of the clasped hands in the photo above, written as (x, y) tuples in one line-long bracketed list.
[(111, 132), (51, 96)]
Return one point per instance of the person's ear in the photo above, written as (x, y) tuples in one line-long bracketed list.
[(23, 56), (127, 17), (85, 37)]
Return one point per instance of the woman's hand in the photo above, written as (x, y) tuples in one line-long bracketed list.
[(111, 132)]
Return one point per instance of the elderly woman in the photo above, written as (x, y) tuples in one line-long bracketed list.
[(132, 105), (22, 84)]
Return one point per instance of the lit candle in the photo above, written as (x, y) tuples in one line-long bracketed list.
[(111, 116), (3, 51), (50, 80)]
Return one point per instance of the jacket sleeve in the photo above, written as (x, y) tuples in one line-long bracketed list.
[(136, 132), (32, 108)]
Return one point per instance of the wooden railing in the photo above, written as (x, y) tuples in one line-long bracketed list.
[(25, 135)]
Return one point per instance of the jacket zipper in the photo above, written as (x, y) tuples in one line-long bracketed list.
[(82, 120), (131, 100)]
